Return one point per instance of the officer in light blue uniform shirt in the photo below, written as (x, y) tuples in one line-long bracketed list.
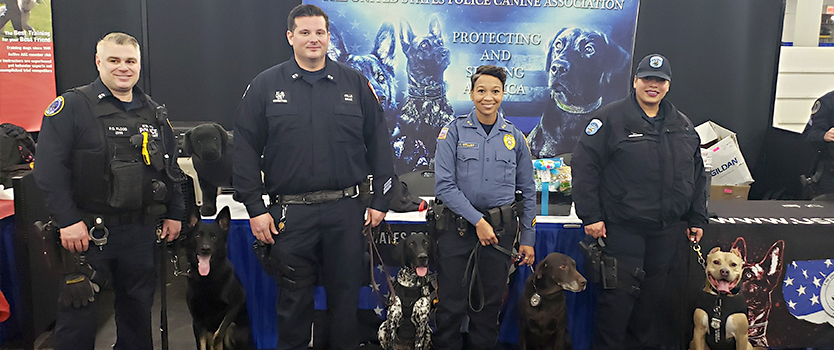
[(480, 162)]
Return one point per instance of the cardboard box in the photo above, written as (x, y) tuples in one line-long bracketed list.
[(739, 193), (724, 155)]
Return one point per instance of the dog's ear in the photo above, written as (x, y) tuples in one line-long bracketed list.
[(735, 251), (618, 59), (772, 261), (713, 250), (224, 137), (406, 36), (224, 218), (741, 245), (193, 216), (434, 27), (337, 49), (385, 45), (186, 142), (399, 252)]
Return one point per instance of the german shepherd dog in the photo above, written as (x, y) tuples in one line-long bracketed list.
[(759, 279), (579, 65), (215, 297), (426, 108)]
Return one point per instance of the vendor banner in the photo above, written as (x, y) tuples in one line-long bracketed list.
[(27, 77), (564, 59)]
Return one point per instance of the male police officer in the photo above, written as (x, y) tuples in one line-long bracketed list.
[(106, 166), (639, 183), (819, 132), (321, 131)]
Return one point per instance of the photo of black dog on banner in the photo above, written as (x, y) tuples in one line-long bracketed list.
[(579, 65)]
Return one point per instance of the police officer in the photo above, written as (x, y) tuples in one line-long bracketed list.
[(819, 132), (639, 183), (106, 166), (481, 161), (321, 130)]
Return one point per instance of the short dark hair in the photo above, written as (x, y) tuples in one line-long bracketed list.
[(306, 11), (489, 69)]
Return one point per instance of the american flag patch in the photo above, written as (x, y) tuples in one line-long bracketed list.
[(387, 186)]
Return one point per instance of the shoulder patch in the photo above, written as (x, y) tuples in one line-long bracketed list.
[(509, 141), (373, 91), (55, 107), (593, 126), (443, 133), (816, 107)]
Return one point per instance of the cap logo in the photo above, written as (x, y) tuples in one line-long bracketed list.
[(655, 62)]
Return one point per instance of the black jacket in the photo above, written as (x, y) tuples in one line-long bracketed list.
[(626, 172), (326, 136), (70, 127)]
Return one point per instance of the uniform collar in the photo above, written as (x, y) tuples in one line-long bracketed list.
[(330, 70), (667, 109), (102, 92), (473, 122)]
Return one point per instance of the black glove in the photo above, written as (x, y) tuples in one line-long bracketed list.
[(78, 290), (264, 256)]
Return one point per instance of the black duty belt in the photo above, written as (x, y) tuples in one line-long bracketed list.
[(132, 217), (317, 197)]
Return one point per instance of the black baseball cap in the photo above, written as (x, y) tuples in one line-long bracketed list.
[(654, 65)]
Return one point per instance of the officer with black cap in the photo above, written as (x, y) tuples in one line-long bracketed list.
[(638, 185), (819, 132), (316, 129), (107, 167)]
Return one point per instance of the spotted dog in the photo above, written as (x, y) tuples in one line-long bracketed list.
[(407, 324)]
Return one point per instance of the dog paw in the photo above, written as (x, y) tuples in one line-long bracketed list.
[(208, 209)]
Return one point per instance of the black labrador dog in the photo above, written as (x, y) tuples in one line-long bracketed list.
[(579, 66), (210, 147), (542, 310), (407, 323), (215, 297)]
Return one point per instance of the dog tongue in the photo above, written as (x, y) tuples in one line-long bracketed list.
[(723, 286), (203, 264), (421, 271)]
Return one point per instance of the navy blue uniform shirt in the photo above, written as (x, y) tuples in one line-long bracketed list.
[(822, 119), (627, 172), (73, 127), (324, 136), (475, 171)]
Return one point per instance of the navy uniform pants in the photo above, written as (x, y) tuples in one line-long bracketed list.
[(626, 319), (453, 290), (128, 257), (325, 240)]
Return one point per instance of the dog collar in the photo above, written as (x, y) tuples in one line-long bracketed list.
[(430, 92), (572, 109)]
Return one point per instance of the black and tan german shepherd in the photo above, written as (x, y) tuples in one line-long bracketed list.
[(215, 296)]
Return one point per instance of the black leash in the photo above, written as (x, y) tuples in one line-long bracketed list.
[(163, 295), (471, 274), (373, 250)]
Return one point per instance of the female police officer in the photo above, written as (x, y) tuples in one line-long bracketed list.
[(481, 160), (639, 183)]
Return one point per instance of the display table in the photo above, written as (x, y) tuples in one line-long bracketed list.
[(554, 233), (789, 275)]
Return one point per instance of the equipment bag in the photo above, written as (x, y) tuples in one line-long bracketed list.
[(17, 152)]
